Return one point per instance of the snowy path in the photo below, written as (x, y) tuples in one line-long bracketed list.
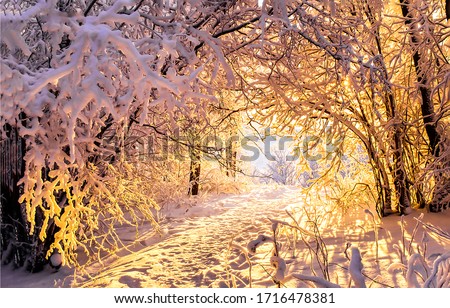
[(194, 254), (194, 250)]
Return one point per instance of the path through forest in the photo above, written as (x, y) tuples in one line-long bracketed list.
[(195, 252), (205, 245)]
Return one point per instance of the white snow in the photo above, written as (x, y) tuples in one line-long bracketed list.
[(356, 268), (211, 242), (56, 259)]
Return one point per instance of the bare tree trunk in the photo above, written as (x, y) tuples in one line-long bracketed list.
[(230, 158), (399, 171), (194, 174), (427, 107), (400, 178), (403, 195)]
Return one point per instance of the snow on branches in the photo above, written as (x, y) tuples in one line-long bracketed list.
[(69, 70)]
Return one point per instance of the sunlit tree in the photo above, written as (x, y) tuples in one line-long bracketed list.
[(71, 72), (343, 70)]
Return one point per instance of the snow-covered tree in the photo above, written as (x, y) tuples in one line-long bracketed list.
[(344, 66), (73, 70), (282, 169)]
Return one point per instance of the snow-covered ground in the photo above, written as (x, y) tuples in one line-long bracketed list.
[(207, 245)]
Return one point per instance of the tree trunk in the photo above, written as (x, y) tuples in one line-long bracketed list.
[(399, 172), (384, 203), (400, 179), (230, 154), (194, 174), (427, 107), (401, 189)]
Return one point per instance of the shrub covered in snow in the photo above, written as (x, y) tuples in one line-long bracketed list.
[(73, 70)]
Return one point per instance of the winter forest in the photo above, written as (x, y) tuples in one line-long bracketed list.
[(212, 143)]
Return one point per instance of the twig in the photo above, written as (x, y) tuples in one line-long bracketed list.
[(438, 231), (402, 226), (244, 251), (413, 235)]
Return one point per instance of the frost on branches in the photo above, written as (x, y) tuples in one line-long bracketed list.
[(72, 69)]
